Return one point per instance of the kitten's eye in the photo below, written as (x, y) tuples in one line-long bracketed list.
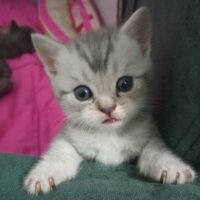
[(124, 84), (82, 93)]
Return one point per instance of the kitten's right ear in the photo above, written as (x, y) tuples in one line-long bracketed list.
[(138, 26), (47, 50)]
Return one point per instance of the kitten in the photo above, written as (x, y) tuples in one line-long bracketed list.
[(13, 43), (100, 81)]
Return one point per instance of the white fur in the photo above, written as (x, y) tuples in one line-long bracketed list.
[(86, 136), (63, 158), (61, 162), (155, 158)]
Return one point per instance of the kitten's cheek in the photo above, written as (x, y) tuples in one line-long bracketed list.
[(119, 113), (93, 117)]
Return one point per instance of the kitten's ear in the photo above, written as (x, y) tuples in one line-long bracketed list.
[(13, 26), (138, 27), (47, 50)]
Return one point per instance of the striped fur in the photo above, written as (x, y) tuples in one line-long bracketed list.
[(98, 60)]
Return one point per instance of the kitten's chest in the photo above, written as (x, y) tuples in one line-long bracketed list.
[(108, 148)]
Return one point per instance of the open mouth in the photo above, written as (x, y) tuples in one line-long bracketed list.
[(110, 120)]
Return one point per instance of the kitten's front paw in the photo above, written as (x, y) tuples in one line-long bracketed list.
[(177, 176), (35, 184), (169, 172), (45, 176)]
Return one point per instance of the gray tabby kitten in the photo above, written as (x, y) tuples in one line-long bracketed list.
[(100, 81)]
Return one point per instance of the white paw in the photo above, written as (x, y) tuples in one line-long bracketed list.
[(45, 176), (173, 171)]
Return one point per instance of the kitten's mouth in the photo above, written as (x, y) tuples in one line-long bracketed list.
[(110, 120)]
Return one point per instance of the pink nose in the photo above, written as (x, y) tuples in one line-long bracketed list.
[(107, 110)]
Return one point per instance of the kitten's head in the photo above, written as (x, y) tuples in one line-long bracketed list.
[(100, 77)]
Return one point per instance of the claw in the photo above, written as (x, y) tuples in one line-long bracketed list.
[(177, 177), (188, 174), (51, 183), (37, 188), (163, 177)]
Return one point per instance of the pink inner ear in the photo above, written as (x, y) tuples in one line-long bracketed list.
[(143, 45), (53, 70), (141, 34), (51, 67)]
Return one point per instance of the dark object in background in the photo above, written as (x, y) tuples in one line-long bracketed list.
[(5, 82), (125, 10), (16, 41), (13, 43)]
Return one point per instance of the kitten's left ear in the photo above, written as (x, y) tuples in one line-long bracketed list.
[(47, 50), (138, 27)]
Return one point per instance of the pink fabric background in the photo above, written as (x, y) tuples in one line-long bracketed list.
[(108, 11), (30, 116)]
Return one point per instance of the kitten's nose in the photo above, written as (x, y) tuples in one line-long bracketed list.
[(107, 110)]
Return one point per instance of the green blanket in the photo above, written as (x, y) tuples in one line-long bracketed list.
[(94, 182)]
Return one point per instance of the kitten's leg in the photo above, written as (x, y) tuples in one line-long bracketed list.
[(157, 162), (61, 162)]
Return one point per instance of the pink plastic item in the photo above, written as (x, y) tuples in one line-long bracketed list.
[(30, 116), (64, 19)]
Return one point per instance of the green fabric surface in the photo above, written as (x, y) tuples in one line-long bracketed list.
[(94, 182), (176, 57)]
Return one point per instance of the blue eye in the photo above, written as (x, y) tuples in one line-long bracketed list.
[(82, 93), (124, 84)]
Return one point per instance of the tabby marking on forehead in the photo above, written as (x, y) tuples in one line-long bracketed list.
[(97, 50)]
